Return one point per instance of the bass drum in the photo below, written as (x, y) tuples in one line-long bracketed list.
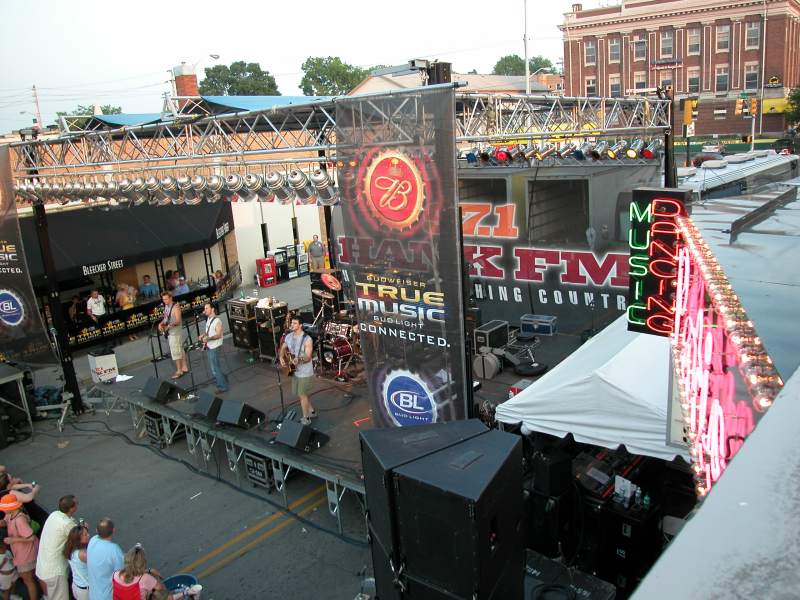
[(339, 349), (486, 366)]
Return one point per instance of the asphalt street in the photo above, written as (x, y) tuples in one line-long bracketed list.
[(237, 542)]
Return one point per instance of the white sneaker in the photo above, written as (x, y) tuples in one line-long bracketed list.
[(305, 421)]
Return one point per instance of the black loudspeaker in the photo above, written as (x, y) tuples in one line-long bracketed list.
[(547, 579), (548, 519), (552, 473), (459, 519), (161, 391), (244, 333), (295, 434), (233, 412), (208, 405)]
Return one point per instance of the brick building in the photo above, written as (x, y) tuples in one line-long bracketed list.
[(708, 49)]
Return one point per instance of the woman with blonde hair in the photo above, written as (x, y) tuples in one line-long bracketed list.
[(135, 581)]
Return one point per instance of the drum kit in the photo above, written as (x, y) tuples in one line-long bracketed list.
[(337, 340)]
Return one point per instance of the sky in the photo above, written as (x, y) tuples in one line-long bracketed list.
[(119, 52)]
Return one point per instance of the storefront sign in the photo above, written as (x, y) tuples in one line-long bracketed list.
[(222, 230), (654, 243), (103, 267), (400, 253)]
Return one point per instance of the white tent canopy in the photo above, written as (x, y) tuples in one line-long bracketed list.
[(612, 391)]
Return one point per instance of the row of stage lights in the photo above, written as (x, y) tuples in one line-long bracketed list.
[(316, 188), (585, 151)]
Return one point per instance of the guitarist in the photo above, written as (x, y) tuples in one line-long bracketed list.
[(170, 325), (296, 354), (212, 341)]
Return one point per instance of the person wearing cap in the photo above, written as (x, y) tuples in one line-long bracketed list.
[(51, 566), (23, 542), (181, 288)]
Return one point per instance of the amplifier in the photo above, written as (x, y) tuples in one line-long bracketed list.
[(244, 333), (275, 314), (542, 573), (493, 334), (242, 309)]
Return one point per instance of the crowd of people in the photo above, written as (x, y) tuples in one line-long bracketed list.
[(53, 555)]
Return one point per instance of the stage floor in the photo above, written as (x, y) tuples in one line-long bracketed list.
[(344, 410)]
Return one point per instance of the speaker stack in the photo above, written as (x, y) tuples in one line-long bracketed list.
[(445, 510), (242, 323), (271, 321)]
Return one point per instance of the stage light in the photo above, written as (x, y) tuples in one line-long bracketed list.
[(544, 152), (652, 149), (57, 193), (302, 186), (327, 192), (234, 186), (599, 151), (635, 149), (154, 193), (190, 196), (584, 151), (80, 191), (566, 150), (616, 149), (472, 160), (209, 188), (255, 184), (502, 155), (276, 182), (530, 151)]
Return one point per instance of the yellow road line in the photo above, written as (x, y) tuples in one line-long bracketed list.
[(252, 544), (250, 531)]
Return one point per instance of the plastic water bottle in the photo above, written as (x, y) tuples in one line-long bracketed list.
[(646, 502)]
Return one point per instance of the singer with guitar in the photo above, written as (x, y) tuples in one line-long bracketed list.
[(295, 355), (170, 326), (212, 342)]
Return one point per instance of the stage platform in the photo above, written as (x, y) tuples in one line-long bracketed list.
[(253, 456)]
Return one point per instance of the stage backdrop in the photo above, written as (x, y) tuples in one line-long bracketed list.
[(399, 251), (22, 335)]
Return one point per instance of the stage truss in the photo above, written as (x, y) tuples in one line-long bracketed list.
[(296, 133)]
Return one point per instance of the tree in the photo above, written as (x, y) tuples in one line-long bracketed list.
[(88, 109), (329, 76), (792, 113), (513, 64), (239, 79)]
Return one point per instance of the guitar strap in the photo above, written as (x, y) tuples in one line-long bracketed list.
[(302, 344)]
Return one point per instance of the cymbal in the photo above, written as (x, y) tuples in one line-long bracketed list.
[(331, 282), (323, 294)]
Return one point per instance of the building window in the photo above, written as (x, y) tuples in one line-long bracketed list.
[(640, 80), (693, 41), (591, 86), (639, 50), (693, 81), (614, 86), (666, 44), (722, 78), (613, 50), (590, 53), (665, 78), (723, 38), (753, 35), (751, 76), (720, 114)]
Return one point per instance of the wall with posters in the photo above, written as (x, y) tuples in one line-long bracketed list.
[(550, 240)]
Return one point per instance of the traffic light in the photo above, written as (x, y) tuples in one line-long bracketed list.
[(753, 106), (689, 106), (739, 106)]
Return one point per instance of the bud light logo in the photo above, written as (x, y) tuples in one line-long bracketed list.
[(11, 308), (407, 400)]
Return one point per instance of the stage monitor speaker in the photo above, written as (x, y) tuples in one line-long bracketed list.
[(161, 392), (383, 450), (295, 434), (233, 412), (208, 405), (459, 518)]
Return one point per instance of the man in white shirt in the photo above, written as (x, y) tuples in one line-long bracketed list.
[(213, 343), (51, 565), (95, 306)]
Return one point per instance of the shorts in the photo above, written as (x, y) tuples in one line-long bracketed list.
[(29, 566), (176, 346), (301, 386)]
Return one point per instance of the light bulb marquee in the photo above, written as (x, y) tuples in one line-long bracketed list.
[(726, 379)]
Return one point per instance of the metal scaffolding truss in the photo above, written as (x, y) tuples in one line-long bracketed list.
[(295, 130)]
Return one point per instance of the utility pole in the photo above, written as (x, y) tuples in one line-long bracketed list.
[(525, 46), (38, 110)]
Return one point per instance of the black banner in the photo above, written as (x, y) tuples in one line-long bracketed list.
[(23, 337), (400, 251)]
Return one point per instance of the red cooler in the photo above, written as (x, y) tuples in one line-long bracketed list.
[(265, 270)]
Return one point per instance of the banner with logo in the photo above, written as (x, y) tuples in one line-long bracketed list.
[(23, 337), (399, 251)]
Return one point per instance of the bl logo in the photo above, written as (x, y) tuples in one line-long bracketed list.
[(11, 308), (408, 400)]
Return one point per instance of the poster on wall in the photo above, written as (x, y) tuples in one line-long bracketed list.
[(23, 338), (399, 250)]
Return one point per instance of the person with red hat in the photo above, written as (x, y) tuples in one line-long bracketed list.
[(23, 542)]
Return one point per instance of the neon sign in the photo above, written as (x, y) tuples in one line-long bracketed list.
[(654, 246), (725, 377)]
